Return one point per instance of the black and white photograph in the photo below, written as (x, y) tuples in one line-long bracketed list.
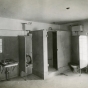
[(43, 43)]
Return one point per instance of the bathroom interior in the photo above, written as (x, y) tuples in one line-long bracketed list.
[(42, 53)]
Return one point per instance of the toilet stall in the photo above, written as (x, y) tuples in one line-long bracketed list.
[(79, 54)]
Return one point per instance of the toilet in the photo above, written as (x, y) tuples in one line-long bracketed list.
[(75, 68)]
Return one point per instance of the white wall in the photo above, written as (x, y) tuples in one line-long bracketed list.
[(14, 27), (64, 27), (15, 24), (39, 26), (11, 27), (11, 24)]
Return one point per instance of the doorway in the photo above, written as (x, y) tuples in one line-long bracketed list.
[(52, 51)]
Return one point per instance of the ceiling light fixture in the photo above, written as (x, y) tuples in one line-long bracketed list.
[(68, 8)]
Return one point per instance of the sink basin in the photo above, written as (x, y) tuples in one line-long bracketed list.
[(8, 64)]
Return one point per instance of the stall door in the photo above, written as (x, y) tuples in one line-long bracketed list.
[(63, 48), (40, 63)]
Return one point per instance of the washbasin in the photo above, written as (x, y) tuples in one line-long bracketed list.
[(9, 63), (6, 64)]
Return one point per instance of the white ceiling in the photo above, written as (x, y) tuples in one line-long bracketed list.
[(45, 10)]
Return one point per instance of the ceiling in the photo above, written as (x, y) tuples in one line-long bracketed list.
[(45, 10)]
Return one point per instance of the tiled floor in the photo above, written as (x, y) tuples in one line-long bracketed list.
[(64, 80)]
